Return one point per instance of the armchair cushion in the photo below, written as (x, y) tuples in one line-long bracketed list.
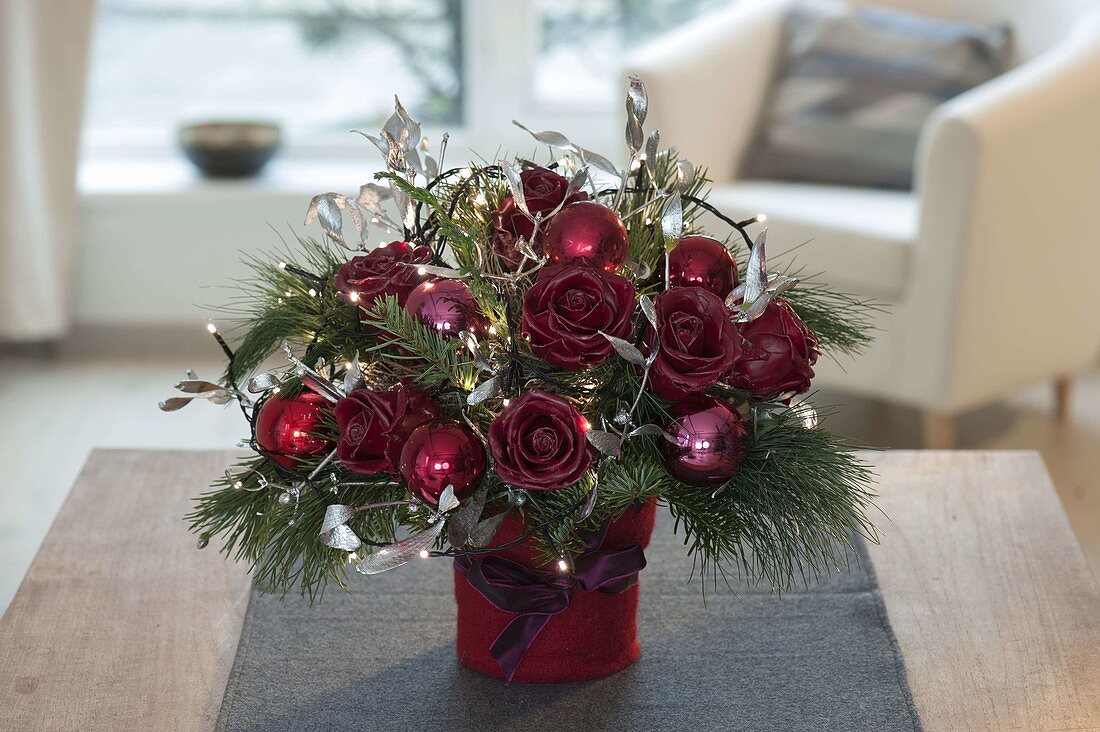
[(862, 239), (854, 87)]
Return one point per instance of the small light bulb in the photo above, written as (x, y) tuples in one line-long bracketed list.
[(289, 293), (507, 401), (312, 292), (421, 271), (423, 553), (282, 265), (563, 565), (761, 218), (353, 296), (492, 330), (211, 328)]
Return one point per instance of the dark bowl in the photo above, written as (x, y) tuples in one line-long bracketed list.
[(229, 149)]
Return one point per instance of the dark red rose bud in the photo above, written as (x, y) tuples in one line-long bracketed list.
[(700, 261), (543, 191), (699, 345), (373, 425), (568, 306), (780, 352), (539, 442), (370, 277)]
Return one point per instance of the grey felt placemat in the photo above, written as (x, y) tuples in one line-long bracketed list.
[(382, 658)]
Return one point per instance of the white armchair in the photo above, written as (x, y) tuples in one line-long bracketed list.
[(990, 267)]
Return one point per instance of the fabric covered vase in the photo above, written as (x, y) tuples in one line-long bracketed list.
[(559, 626)]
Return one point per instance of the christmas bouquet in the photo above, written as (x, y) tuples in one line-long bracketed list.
[(541, 355)]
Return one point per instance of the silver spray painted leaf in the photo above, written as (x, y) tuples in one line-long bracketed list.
[(579, 179), (639, 269), (636, 106), (461, 524), (431, 269), (549, 137), (197, 386), (487, 529), (756, 272), (335, 515), (589, 502), (325, 207), (341, 537), (685, 174), (377, 141), (606, 442), (262, 382), (626, 349), (776, 287), (447, 500), (672, 221), (652, 430), (401, 552), (485, 390), (515, 184), (353, 376), (651, 144), (174, 403), (646, 303), (469, 340), (599, 162), (371, 196)]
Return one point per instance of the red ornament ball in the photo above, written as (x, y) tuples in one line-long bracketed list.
[(711, 439), (286, 427), (700, 261), (446, 305), (442, 453), (586, 231)]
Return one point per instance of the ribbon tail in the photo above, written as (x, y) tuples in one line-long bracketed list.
[(515, 639)]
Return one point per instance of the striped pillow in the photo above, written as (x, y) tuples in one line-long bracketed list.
[(854, 86)]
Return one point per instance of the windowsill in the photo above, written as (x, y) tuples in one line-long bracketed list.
[(178, 178)]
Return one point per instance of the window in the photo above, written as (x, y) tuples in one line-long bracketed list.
[(323, 67)]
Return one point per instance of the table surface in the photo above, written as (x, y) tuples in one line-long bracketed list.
[(120, 623)]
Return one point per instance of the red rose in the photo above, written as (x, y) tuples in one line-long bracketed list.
[(699, 345), (780, 352), (370, 277), (568, 306), (373, 426), (543, 190), (539, 443)]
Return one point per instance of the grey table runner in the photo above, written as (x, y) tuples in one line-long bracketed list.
[(382, 658)]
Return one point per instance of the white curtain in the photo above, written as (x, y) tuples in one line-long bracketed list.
[(43, 57)]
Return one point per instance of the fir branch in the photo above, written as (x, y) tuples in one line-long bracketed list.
[(842, 322)]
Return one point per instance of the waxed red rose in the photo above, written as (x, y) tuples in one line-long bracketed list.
[(780, 352), (699, 345), (567, 308), (373, 425), (370, 277), (543, 190), (539, 443)]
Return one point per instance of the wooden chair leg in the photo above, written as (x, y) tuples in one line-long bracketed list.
[(939, 430), (1063, 390)]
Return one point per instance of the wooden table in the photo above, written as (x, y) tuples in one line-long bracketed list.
[(121, 624)]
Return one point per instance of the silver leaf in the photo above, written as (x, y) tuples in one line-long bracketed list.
[(776, 287), (685, 174), (412, 127), (401, 552), (174, 403), (431, 167), (652, 430), (636, 107), (341, 537), (461, 526), (413, 159), (447, 500), (325, 207), (197, 386), (549, 137), (449, 273), (353, 377), (220, 396), (377, 141), (474, 347), (335, 515), (262, 382), (589, 502), (599, 162), (579, 180), (756, 273), (606, 442), (487, 529), (672, 221), (515, 184), (641, 270), (651, 144), (485, 390), (371, 196), (626, 349), (646, 303)]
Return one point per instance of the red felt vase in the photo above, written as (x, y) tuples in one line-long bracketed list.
[(594, 636)]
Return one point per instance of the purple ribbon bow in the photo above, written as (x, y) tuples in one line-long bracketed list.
[(538, 596)]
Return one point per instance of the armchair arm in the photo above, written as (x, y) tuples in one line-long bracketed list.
[(707, 80), (1005, 272)]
